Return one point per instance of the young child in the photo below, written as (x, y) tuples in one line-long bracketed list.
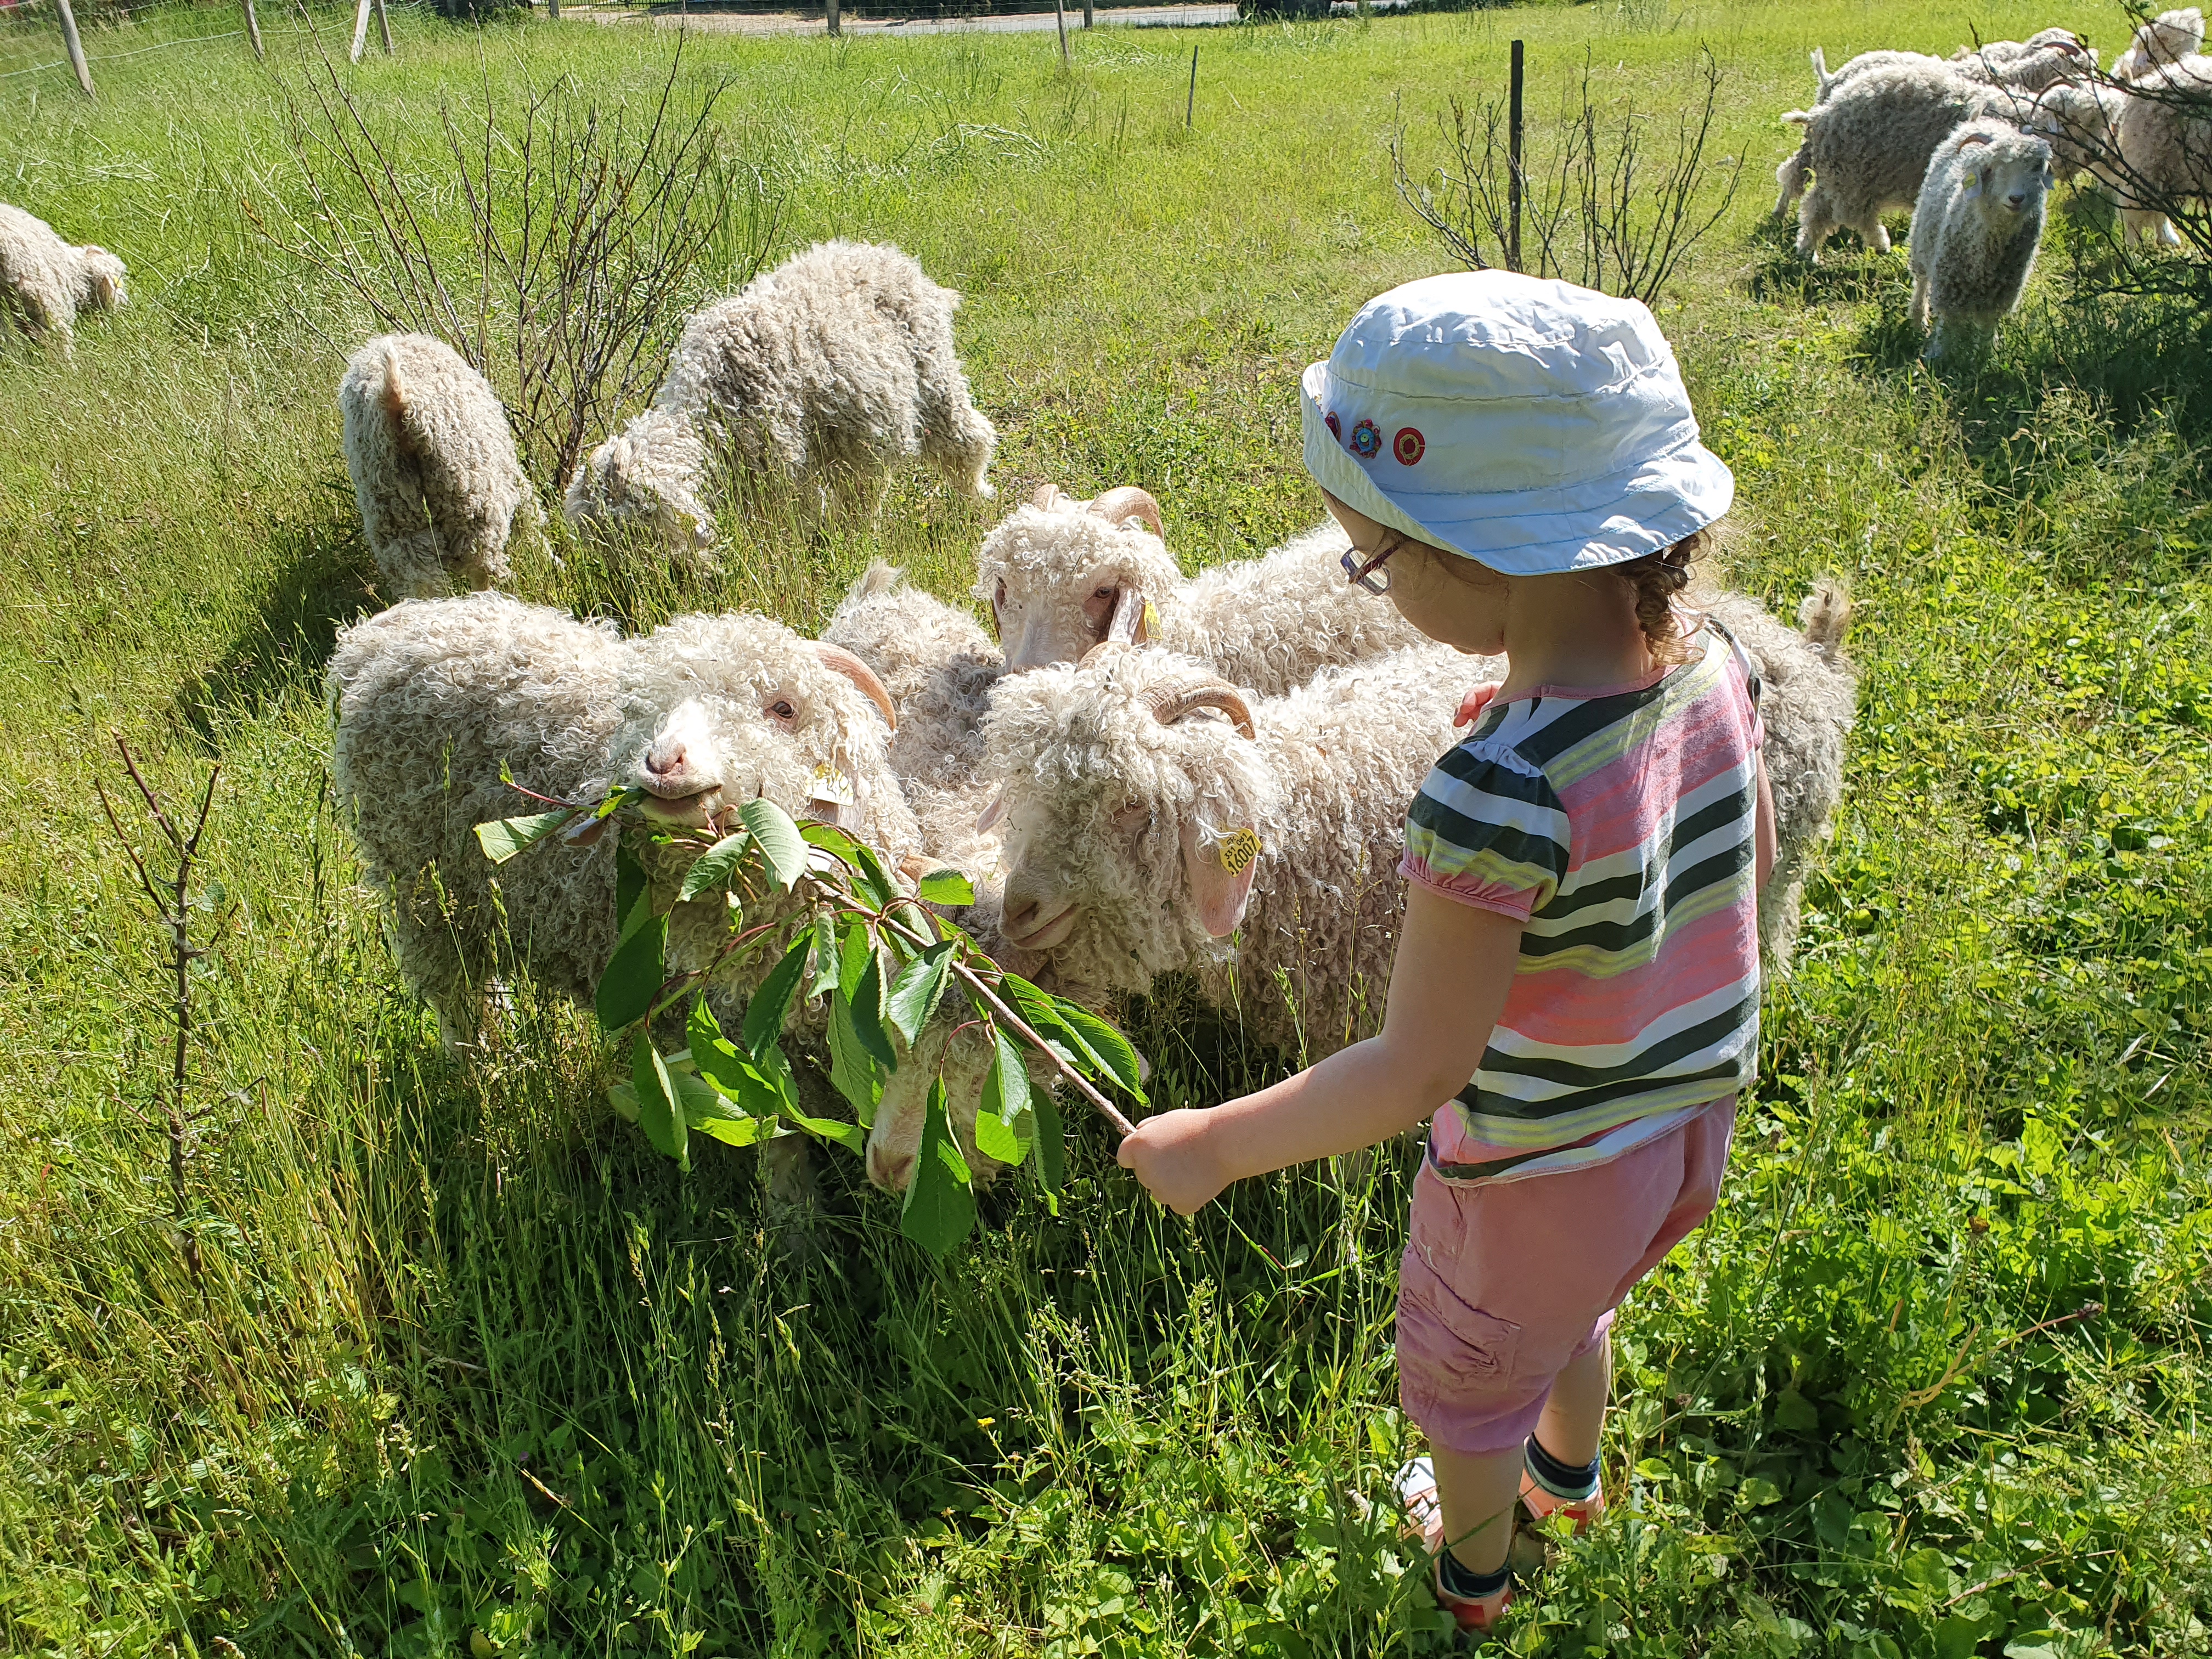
[(1576, 993)]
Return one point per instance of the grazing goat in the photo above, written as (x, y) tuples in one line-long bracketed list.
[(433, 464)]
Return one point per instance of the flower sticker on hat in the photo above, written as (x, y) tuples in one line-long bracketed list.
[(1335, 427), (1366, 441), (1408, 445)]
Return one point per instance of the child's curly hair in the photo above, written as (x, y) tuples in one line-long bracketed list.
[(1656, 580)]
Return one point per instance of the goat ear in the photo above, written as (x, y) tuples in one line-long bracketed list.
[(1131, 614), (1220, 873)]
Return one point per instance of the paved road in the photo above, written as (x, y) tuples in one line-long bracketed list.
[(736, 22)]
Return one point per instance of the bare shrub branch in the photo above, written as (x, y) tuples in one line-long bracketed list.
[(581, 233), (1603, 203)]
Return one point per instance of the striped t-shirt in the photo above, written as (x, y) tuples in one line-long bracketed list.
[(1620, 825)]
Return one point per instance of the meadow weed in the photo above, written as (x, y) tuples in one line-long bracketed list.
[(466, 1366)]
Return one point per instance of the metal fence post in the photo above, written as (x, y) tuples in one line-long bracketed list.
[(254, 32), (1513, 163)]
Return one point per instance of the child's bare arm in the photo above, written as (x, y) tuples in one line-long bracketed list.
[(1448, 985)]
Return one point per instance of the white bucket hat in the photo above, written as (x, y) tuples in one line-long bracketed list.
[(1535, 426)]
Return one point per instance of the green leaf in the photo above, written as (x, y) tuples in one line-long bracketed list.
[(947, 887), (1793, 1411), (833, 841), (852, 1068), (622, 1096), (634, 977), (1003, 1142), (1051, 1147), (851, 1136), (920, 987), (764, 1014), (940, 1208), (780, 843), (630, 884), (852, 957), (707, 1110), (875, 881), (504, 837), (1004, 1124), (867, 1006), (712, 868), (658, 1114), (824, 974), (702, 1029), (1105, 1045), (1077, 1035), (748, 1089)]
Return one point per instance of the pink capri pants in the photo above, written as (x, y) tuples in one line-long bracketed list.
[(1505, 1283)]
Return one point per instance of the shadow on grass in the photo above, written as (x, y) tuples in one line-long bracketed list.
[(323, 581), (1850, 272)]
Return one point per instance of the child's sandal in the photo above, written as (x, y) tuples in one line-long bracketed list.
[(1542, 1501), (1416, 1486)]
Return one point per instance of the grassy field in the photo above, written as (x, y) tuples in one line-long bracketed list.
[(468, 1366)]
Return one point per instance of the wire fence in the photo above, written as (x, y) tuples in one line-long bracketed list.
[(30, 26)]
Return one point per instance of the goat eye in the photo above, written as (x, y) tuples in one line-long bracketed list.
[(998, 598), (782, 710)]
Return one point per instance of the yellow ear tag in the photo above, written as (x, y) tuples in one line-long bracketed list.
[(1238, 849), (1151, 620), (833, 786)]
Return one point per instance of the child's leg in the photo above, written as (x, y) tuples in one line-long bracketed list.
[(1575, 1413), (1478, 1491)]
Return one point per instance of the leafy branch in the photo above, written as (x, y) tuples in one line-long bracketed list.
[(845, 932)]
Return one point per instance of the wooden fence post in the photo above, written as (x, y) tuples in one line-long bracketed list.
[(836, 14), (75, 47), (1513, 162), (1059, 17), (1190, 104), (384, 27), (1086, 14), (360, 30), (254, 32), (552, 11)]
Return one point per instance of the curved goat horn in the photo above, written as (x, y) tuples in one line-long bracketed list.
[(1119, 506), (1174, 702), (839, 660), (1051, 495)]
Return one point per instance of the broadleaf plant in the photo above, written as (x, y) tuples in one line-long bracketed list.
[(842, 922)]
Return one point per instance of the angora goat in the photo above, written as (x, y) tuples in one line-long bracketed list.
[(1976, 229), (2081, 120), (435, 698), (433, 464), (1054, 577), (2166, 39), (2047, 58), (2166, 148), (1869, 145), (45, 282), (825, 373)]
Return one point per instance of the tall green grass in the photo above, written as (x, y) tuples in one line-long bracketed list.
[(470, 1366)]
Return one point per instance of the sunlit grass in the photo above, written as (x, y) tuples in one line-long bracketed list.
[(468, 1358)]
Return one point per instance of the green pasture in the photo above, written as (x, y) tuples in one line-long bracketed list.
[(468, 1368)]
